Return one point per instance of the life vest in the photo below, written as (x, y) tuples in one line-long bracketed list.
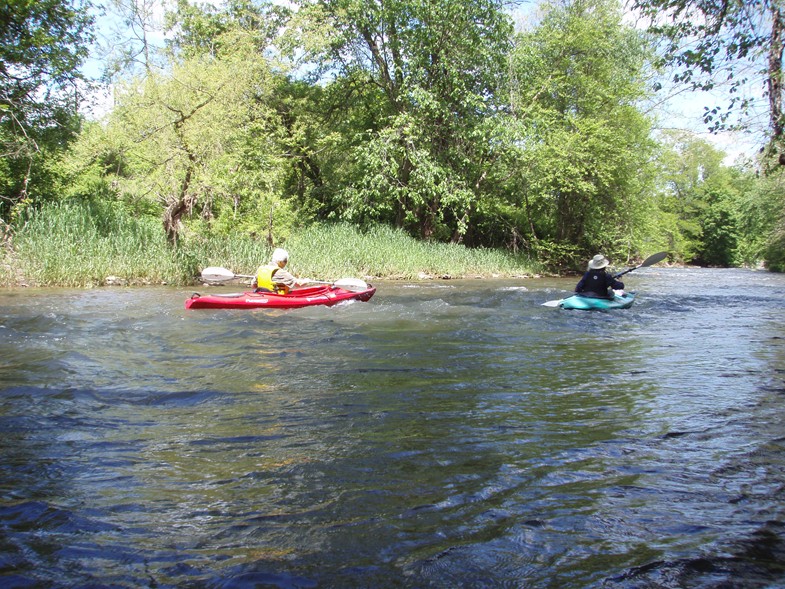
[(595, 283), (264, 280)]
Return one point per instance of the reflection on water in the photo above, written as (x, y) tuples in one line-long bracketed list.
[(446, 434)]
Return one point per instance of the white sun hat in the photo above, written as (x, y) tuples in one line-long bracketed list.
[(597, 262)]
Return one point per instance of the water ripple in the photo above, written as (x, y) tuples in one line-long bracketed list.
[(442, 435)]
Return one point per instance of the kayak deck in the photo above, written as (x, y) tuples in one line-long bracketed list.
[(591, 303), (326, 295)]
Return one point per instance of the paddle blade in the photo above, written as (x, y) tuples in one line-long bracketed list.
[(653, 259), (555, 303), (216, 274), (353, 284)]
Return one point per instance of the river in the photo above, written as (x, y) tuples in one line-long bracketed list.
[(445, 434)]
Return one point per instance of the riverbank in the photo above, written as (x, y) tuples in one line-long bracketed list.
[(70, 245)]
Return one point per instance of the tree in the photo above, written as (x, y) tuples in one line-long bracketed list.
[(129, 47), (736, 43), (423, 79), (685, 162), (759, 213), (722, 217), (201, 29), (42, 45), (201, 137), (198, 136), (584, 145)]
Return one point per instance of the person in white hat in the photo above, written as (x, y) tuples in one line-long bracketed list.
[(597, 281), (273, 278)]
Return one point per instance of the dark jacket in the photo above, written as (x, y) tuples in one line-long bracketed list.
[(595, 283)]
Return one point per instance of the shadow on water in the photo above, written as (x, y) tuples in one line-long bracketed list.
[(447, 434)]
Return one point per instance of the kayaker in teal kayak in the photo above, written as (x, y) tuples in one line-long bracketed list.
[(596, 282), (273, 278)]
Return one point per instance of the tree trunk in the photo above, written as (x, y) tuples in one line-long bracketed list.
[(774, 86), (183, 202), (180, 205), (402, 205)]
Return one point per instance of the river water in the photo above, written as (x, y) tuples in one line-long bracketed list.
[(444, 434)]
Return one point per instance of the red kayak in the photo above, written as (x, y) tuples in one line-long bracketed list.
[(302, 297)]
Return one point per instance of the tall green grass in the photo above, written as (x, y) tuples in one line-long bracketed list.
[(82, 244), (341, 250)]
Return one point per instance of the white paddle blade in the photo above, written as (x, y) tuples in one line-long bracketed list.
[(555, 303), (354, 284), (216, 274)]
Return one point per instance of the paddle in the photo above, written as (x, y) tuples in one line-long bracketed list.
[(353, 284), (553, 303), (217, 274), (651, 260)]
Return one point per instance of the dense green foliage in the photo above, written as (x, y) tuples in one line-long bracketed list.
[(583, 147), (427, 80), (712, 214), (261, 124), (42, 44)]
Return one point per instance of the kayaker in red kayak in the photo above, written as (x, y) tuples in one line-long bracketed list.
[(273, 278), (596, 281)]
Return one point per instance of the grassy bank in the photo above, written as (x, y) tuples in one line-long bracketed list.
[(70, 244)]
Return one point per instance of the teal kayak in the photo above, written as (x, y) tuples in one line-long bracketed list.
[(588, 303)]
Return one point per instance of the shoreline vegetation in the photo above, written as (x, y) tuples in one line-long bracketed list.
[(535, 146), (78, 245)]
